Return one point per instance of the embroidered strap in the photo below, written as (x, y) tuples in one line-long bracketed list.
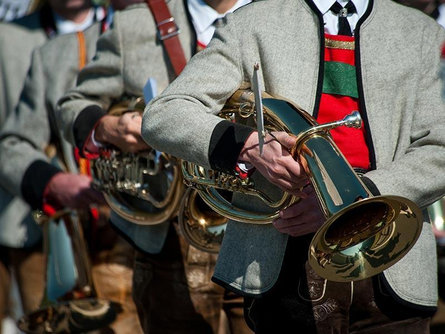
[(82, 49), (340, 97), (83, 163), (168, 33)]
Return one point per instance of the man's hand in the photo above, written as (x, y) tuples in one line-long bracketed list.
[(74, 191), (301, 218), (276, 164), (122, 131)]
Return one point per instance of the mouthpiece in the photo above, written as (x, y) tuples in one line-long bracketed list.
[(353, 120)]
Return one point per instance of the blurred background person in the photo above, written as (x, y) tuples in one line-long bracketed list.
[(39, 161), (20, 239), (19, 37)]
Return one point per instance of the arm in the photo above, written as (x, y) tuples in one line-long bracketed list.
[(182, 121), (24, 137), (99, 84), (27, 171)]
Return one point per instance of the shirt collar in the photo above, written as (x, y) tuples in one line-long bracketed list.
[(324, 5), (203, 15), (65, 26)]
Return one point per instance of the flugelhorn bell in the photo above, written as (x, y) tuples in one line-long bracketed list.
[(363, 234)]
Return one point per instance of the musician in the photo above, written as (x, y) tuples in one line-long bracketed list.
[(20, 234), (171, 284), (55, 179), (389, 72)]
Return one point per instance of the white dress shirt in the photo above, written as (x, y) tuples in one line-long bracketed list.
[(331, 19), (65, 26), (203, 17)]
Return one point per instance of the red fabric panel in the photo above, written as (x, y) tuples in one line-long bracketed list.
[(351, 142)]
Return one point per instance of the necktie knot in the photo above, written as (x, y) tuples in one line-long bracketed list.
[(338, 9), (342, 13)]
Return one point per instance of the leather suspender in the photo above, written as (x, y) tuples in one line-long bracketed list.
[(168, 33)]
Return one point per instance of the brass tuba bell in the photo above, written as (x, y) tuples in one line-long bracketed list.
[(144, 188), (70, 303), (201, 226), (147, 188), (362, 236)]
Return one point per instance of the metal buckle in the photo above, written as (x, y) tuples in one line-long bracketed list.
[(171, 34)]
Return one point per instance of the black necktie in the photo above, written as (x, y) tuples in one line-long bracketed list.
[(342, 12)]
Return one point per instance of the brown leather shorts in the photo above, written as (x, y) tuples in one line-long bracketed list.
[(303, 300), (174, 293)]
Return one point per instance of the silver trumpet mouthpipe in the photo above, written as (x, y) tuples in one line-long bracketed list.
[(353, 120)]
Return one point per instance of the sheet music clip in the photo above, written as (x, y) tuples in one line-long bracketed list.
[(150, 90)]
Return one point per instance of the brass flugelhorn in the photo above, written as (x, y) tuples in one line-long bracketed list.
[(363, 234), (70, 303)]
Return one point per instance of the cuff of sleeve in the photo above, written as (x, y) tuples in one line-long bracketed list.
[(370, 185), (94, 142), (35, 180), (84, 125), (91, 148), (226, 144)]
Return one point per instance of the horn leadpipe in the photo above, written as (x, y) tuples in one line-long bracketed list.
[(353, 120)]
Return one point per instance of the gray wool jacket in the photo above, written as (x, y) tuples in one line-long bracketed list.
[(127, 55), (26, 169), (17, 41), (399, 89)]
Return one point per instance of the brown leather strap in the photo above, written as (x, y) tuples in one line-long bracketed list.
[(168, 33)]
